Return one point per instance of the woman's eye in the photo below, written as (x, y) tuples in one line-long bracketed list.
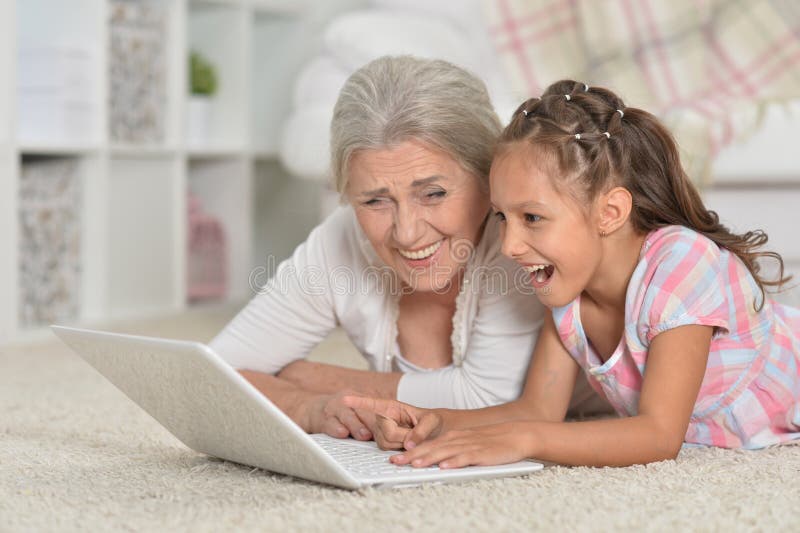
[(500, 216), (436, 194), (373, 202), (532, 218)]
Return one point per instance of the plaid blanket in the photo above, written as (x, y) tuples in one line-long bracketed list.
[(707, 67)]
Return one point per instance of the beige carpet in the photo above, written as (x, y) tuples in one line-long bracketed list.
[(77, 455)]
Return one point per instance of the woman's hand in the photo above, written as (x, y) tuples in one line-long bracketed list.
[(485, 445), (328, 414), (314, 412), (398, 424)]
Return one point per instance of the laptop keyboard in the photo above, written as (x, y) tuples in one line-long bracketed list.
[(364, 459)]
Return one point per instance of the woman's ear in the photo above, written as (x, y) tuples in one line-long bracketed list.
[(614, 209)]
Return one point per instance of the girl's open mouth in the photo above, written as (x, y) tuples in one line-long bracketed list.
[(540, 274)]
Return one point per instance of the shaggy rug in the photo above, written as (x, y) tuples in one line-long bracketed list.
[(77, 455)]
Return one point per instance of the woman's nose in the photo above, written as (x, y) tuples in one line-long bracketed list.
[(406, 226)]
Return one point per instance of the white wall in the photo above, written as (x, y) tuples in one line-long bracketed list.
[(756, 185)]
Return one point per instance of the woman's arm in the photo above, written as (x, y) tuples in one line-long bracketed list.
[(288, 397), (330, 379), (676, 365)]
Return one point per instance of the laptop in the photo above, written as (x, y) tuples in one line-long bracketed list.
[(212, 409)]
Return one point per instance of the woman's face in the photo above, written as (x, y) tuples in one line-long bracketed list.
[(421, 211)]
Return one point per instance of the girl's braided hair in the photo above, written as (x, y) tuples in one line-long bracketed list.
[(597, 143)]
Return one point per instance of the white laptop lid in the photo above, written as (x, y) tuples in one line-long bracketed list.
[(205, 403)]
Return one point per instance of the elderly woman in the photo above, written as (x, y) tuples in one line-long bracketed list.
[(410, 267)]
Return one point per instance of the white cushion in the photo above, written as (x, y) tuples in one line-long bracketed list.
[(469, 17), (466, 14), (358, 37), (319, 83), (305, 140)]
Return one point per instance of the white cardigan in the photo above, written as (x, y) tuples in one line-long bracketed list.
[(336, 278)]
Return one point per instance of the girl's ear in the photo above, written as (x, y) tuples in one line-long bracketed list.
[(614, 208)]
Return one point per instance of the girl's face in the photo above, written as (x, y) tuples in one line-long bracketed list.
[(421, 211), (544, 230)]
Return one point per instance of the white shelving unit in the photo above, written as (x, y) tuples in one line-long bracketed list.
[(133, 199), (8, 172)]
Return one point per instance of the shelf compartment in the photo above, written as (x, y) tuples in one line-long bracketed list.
[(219, 33), (145, 212), (49, 241), (59, 80), (222, 187), (138, 71)]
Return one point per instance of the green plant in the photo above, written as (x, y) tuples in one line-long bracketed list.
[(203, 75)]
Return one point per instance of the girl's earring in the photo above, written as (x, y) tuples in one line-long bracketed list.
[(602, 233)]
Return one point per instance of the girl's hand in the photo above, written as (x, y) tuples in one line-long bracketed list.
[(398, 425), (486, 445)]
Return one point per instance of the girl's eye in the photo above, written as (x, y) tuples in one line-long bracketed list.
[(532, 218), (500, 216)]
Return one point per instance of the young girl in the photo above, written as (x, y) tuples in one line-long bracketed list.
[(657, 302)]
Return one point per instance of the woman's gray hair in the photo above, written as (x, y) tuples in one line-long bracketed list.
[(399, 98)]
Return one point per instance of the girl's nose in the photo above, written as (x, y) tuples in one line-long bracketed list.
[(513, 246)]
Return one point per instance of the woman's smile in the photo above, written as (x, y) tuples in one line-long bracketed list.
[(424, 256)]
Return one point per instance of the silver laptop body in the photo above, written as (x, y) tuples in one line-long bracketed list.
[(212, 409)]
